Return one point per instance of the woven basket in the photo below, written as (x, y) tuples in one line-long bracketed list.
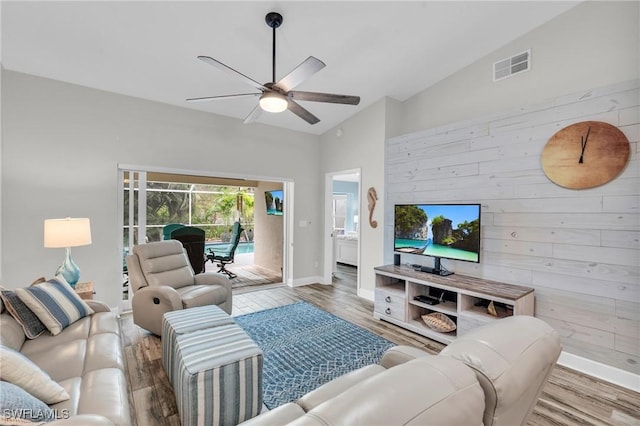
[(439, 322)]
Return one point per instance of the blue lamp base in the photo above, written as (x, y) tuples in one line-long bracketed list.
[(69, 270)]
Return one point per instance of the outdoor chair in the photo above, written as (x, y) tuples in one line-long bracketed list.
[(168, 229), (161, 280), (192, 240), (225, 255)]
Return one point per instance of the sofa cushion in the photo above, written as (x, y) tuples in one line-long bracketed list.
[(11, 333), (79, 330), (62, 361), (102, 392), (21, 371), (20, 407), (55, 303), (31, 324)]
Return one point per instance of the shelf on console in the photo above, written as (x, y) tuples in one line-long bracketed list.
[(449, 308)]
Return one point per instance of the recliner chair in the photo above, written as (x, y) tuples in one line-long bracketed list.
[(162, 280)]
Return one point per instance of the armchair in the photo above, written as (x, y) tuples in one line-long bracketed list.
[(162, 280), (225, 255)]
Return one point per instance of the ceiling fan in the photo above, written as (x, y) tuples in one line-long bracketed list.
[(279, 96)]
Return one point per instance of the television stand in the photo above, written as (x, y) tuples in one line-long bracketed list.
[(400, 289)]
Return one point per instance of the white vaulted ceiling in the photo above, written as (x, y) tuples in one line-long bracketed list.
[(148, 49)]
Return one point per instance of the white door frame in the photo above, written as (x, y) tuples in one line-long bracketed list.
[(328, 221)]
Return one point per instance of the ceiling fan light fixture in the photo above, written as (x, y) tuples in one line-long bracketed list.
[(273, 102)]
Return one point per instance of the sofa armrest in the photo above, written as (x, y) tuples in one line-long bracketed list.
[(401, 354), (83, 420), (98, 306), (426, 391), (336, 386), (281, 415), (211, 278)]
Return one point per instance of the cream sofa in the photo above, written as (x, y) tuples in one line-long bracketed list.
[(86, 359), (491, 376)]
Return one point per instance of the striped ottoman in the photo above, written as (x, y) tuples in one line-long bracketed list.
[(219, 376), (185, 321)]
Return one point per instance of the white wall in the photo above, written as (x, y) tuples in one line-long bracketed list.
[(61, 147), (360, 145), (269, 231), (592, 45)]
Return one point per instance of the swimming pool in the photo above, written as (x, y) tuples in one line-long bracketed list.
[(243, 247)]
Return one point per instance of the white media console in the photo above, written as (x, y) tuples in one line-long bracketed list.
[(465, 300)]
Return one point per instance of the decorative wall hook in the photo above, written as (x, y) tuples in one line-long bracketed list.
[(372, 196)]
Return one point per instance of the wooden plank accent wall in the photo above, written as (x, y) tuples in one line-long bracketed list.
[(579, 249)]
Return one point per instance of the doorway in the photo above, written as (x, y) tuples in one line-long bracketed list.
[(342, 230), (151, 198)]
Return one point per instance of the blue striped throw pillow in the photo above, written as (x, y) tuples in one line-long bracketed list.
[(31, 324), (55, 303)]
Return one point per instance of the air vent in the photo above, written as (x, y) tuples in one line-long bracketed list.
[(508, 67)]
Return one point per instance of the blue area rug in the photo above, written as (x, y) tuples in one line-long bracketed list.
[(305, 347)]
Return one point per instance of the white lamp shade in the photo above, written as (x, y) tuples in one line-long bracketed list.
[(273, 102), (68, 232)]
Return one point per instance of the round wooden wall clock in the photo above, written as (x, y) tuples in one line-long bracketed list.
[(586, 154)]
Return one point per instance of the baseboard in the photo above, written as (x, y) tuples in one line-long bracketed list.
[(366, 294), (601, 371)]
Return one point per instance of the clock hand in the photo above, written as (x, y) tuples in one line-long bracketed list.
[(583, 142)]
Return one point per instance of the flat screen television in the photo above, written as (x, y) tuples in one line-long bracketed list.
[(274, 202), (442, 231)]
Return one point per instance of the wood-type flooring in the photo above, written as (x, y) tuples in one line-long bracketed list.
[(569, 398)]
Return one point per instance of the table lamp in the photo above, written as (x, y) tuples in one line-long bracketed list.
[(67, 233)]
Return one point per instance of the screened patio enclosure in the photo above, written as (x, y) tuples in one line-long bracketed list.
[(212, 204), (153, 200)]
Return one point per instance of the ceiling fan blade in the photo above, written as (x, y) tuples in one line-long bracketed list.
[(298, 110), (300, 73), (253, 115), (324, 97), (231, 71), (213, 98)]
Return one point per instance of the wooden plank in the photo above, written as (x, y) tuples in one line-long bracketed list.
[(551, 235), (608, 255), (580, 284), (579, 309), (621, 274), (531, 248), (629, 116), (603, 221)]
